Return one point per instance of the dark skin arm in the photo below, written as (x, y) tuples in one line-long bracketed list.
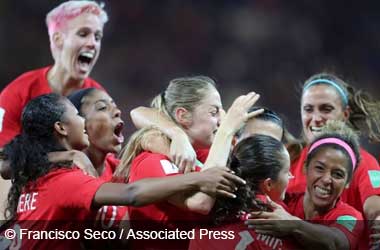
[(215, 181), (311, 236)]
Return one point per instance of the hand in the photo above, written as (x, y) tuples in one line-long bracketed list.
[(375, 234), (238, 114), (219, 181), (278, 223), (182, 154), (79, 158)]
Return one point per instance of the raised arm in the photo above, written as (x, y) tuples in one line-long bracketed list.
[(220, 149)]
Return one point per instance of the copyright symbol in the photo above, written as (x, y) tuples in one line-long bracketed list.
[(10, 234)]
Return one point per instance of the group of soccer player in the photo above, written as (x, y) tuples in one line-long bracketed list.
[(189, 166)]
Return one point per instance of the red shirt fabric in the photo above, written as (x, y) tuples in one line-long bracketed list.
[(365, 180), (60, 200), (16, 95), (109, 217), (342, 217), (162, 215), (237, 236)]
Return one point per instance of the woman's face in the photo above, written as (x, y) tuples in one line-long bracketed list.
[(326, 177), (205, 120), (319, 104), (278, 187), (74, 124), (103, 122), (81, 42)]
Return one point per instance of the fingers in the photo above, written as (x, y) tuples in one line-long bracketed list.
[(234, 178), (254, 113), (225, 194)]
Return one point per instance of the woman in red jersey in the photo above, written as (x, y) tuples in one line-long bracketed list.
[(327, 97), (50, 197), (264, 163), (194, 104), (331, 161)]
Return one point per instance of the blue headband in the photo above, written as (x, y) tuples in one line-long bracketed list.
[(329, 82)]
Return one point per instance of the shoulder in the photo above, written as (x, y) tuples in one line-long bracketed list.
[(344, 211), (25, 80)]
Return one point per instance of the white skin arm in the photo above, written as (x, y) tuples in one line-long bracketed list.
[(219, 152), (181, 153)]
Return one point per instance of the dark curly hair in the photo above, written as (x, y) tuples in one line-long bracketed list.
[(254, 159), (27, 152)]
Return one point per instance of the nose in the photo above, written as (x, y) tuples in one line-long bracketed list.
[(326, 178), (91, 41), (116, 112), (317, 118), (220, 117)]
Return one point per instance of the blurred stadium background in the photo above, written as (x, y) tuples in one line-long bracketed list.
[(269, 46)]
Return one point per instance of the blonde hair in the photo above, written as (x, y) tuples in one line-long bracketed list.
[(186, 92), (135, 146)]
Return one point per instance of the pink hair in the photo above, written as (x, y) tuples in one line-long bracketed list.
[(59, 16)]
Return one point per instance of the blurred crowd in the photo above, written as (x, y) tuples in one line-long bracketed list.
[(268, 46)]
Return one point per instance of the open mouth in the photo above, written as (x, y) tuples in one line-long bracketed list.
[(118, 132), (316, 129), (85, 59), (322, 192)]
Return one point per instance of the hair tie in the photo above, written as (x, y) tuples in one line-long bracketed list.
[(338, 142), (340, 90)]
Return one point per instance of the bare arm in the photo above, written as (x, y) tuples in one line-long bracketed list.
[(281, 223), (181, 152), (220, 150), (152, 190)]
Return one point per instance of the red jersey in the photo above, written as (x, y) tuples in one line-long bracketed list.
[(343, 217), (237, 236), (16, 95), (365, 180), (110, 216), (56, 203), (110, 165), (160, 215)]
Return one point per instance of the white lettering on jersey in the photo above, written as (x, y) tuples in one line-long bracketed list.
[(27, 202), (168, 167)]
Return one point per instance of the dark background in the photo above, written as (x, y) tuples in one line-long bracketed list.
[(269, 46)]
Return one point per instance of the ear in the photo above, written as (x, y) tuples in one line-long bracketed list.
[(57, 39), (59, 127), (267, 185), (346, 113), (183, 117)]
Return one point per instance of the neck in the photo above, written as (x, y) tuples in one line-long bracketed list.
[(311, 210), (97, 157), (61, 82)]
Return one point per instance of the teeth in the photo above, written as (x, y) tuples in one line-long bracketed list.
[(316, 129), (88, 54), (322, 191)]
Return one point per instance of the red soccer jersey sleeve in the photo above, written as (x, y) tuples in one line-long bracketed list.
[(343, 217), (365, 182), (17, 94)]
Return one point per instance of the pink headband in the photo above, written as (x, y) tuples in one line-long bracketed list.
[(339, 142)]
